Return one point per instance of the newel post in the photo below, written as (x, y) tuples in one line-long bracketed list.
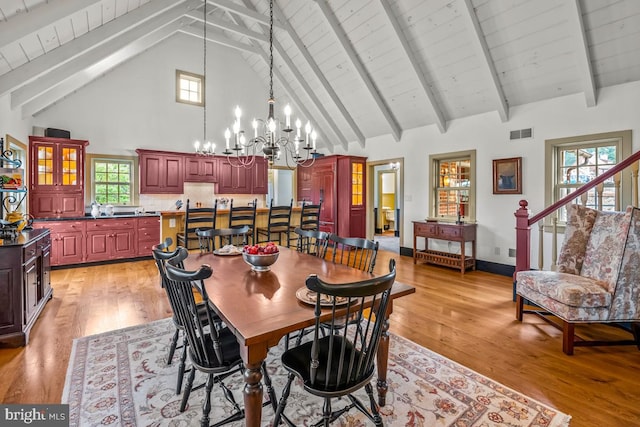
[(523, 238), (523, 241)]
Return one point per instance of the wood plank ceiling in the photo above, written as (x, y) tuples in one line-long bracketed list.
[(360, 68)]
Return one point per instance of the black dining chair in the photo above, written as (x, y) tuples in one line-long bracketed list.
[(211, 238), (336, 363), (355, 252), (309, 217), (195, 218), (240, 216), (212, 350), (312, 242), (165, 245), (161, 256), (278, 224)]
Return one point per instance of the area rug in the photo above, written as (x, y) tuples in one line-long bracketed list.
[(122, 378)]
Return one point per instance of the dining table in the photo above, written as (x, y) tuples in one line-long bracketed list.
[(261, 307)]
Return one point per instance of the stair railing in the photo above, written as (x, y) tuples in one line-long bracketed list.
[(524, 222)]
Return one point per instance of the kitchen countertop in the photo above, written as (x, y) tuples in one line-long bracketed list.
[(89, 217), (223, 211), (24, 238)]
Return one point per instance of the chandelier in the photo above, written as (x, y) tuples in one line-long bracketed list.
[(271, 138)]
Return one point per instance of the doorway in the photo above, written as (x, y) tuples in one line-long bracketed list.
[(385, 182)]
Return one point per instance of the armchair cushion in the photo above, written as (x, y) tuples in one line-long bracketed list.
[(580, 220), (569, 289), (626, 299), (606, 246)]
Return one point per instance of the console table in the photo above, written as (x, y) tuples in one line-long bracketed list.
[(461, 233)]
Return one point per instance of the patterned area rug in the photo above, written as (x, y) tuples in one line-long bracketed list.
[(121, 378)]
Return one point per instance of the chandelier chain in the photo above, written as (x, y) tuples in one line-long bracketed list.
[(271, 49), (275, 137), (204, 76)]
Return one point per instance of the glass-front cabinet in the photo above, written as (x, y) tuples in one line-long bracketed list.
[(57, 176), (58, 166)]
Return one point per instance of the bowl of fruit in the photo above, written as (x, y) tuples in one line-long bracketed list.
[(260, 258)]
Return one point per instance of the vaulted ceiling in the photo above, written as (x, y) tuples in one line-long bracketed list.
[(361, 68)]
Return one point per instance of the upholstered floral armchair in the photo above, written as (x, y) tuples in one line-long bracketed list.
[(597, 279)]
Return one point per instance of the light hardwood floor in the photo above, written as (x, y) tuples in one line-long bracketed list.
[(470, 319)]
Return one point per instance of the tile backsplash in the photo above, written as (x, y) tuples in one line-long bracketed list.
[(196, 192)]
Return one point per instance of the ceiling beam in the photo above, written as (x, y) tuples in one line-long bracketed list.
[(23, 24), (284, 82), (94, 38), (219, 39), (397, 29), (225, 25), (24, 94), (305, 85), (309, 91), (243, 11), (319, 75), (79, 80), (481, 49), (582, 52), (396, 131)]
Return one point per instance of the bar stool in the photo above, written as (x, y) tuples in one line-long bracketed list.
[(279, 223), (244, 215)]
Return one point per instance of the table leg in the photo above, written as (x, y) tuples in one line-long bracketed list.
[(463, 267), (382, 358), (253, 394)]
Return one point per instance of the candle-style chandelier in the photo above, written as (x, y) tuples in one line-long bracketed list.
[(271, 138)]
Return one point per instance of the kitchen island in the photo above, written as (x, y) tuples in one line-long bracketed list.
[(24, 283), (172, 222)]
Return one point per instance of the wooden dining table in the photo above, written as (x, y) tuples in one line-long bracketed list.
[(261, 308)]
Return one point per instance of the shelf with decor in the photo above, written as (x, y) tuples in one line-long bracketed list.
[(461, 233), (12, 189)]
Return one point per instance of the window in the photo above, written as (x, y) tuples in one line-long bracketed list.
[(573, 162), (189, 88), (453, 184), (112, 181)]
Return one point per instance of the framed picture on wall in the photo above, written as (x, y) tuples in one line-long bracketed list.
[(507, 176)]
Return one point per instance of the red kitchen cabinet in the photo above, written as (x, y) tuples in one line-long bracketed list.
[(305, 186), (339, 181), (260, 176), (148, 229), (56, 182), (67, 241), (161, 172), (240, 180), (109, 239), (200, 169)]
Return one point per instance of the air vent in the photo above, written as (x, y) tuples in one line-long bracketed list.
[(521, 133)]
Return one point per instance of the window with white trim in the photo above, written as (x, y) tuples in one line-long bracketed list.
[(189, 88), (452, 181), (575, 161), (112, 181)]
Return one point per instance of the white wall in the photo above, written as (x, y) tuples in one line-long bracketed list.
[(617, 109), (134, 107), (12, 123)]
